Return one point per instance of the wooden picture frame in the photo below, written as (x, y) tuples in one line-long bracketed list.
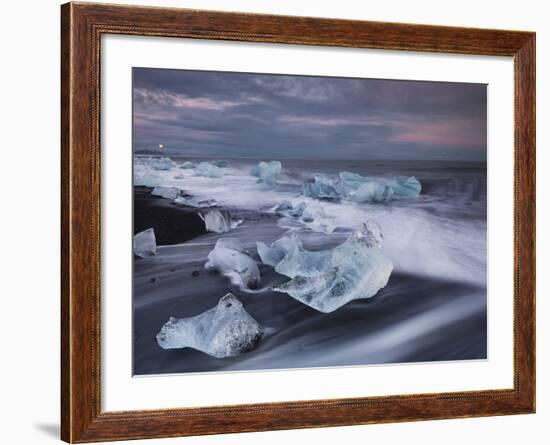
[(82, 26)]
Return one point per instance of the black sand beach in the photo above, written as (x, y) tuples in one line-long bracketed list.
[(413, 319), (173, 223)]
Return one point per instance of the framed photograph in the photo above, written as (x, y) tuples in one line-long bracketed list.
[(275, 222)]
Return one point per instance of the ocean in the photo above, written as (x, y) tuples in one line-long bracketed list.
[(434, 307)]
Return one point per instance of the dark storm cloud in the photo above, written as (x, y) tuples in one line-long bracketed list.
[(215, 114)]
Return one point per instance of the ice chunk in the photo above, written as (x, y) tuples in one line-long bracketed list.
[(322, 187), (286, 208), (209, 170), (145, 243), (162, 163), (371, 234), (139, 160), (370, 189), (350, 181), (328, 279), (283, 206), (187, 165), (148, 180), (219, 221), (406, 187), (354, 187), (220, 163), (144, 176), (272, 255), (363, 189), (317, 220), (301, 262), (232, 243), (311, 215), (268, 172), (166, 192), (224, 331), (140, 168), (193, 201), (231, 259)]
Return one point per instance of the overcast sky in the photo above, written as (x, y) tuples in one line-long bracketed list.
[(215, 114)]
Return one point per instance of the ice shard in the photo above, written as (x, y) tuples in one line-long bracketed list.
[(272, 255), (317, 220), (219, 221), (144, 176), (193, 201), (311, 215), (166, 192), (232, 260), (187, 165), (147, 180), (162, 163), (145, 244), (268, 172), (326, 280), (322, 187), (286, 208), (209, 170), (224, 331)]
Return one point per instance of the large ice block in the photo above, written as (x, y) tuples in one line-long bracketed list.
[(322, 187), (326, 280), (406, 186), (354, 187), (377, 189), (232, 260), (145, 244), (209, 170), (224, 331), (273, 254), (219, 221), (166, 192), (268, 172), (301, 262), (372, 192)]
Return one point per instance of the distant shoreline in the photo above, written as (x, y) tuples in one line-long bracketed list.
[(260, 158)]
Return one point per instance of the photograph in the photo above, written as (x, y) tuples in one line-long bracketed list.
[(290, 221)]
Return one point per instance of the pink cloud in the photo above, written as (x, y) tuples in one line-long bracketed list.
[(445, 133), (328, 121)]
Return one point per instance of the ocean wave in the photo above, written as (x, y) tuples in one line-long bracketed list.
[(442, 233)]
